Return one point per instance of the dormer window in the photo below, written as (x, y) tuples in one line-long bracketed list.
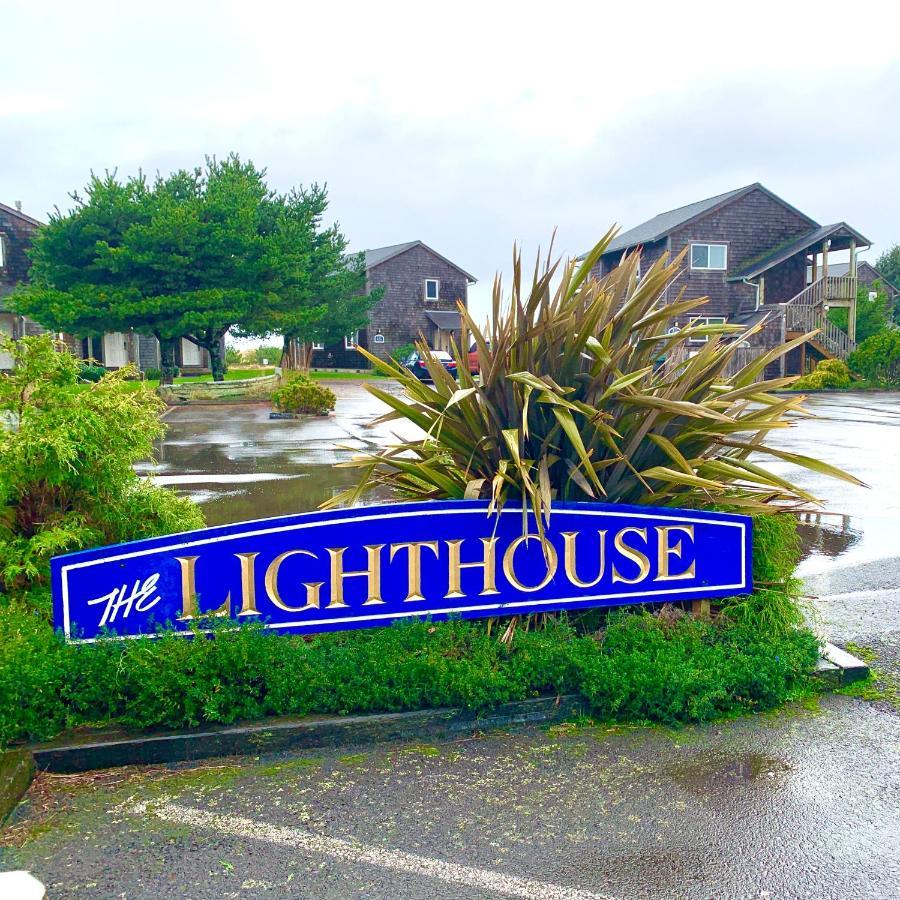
[(709, 257), (432, 288)]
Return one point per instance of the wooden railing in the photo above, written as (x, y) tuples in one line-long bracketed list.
[(802, 318), (831, 287), (742, 356)]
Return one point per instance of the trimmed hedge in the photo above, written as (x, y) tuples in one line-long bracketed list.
[(640, 667)]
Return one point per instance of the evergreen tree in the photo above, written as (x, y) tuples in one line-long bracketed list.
[(192, 255)]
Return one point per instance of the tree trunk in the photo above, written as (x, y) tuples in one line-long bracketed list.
[(216, 359), (167, 359), (296, 356)]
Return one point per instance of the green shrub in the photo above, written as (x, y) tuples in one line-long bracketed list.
[(66, 468), (153, 374), (401, 354), (829, 374), (91, 372), (878, 358), (639, 668), (300, 394)]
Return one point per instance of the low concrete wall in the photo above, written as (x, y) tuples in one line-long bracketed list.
[(220, 391), (16, 771)]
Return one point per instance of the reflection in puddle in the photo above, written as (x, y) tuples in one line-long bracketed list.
[(708, 773), (824, 534), (233, 478)]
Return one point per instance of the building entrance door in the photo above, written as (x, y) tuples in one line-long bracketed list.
[(115, 350)]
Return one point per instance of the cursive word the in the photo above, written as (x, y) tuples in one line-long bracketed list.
[(141, 599)]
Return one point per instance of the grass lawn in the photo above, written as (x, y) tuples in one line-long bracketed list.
[(230, 375)]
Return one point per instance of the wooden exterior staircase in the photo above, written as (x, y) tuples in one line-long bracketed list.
[(806, 312)]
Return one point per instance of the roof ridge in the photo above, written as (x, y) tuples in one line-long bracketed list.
[(675, 209), (19, 214)]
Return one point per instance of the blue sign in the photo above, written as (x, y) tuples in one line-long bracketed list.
[(356, 568)]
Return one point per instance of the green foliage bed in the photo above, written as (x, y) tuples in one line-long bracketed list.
[(639, 667), (660, 666)]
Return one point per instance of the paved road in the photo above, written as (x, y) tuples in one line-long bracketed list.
[(802, 803)]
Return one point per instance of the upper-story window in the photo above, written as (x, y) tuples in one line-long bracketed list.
[(2, 249), (709, 256), (351, 340), (432, 288)]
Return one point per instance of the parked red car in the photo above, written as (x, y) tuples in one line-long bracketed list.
[(474, 368)]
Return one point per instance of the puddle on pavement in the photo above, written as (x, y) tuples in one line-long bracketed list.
[(828, 536), (708, 774), (241, 465)]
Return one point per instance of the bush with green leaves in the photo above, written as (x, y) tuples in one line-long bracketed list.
[(403, 353), (829, 374), (667, 668), (66, 464), (153, 374), (300, 394), (91, 371), (878, 358)]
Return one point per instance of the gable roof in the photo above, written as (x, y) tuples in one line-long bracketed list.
[(788, 249), (839, 269), (665, 223), (12, 211), (382, 254)]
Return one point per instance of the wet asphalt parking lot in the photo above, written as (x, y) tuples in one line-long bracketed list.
[(804, 802)]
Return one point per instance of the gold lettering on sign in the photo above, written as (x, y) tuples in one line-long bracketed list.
[(550, 559), (248, 584), (633, 554), (569, 556), (414, 564), (488, 563), (189, 607), (665, 550), (372, 572), (313, 588)]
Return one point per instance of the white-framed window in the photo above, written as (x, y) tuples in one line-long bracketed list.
[(711, 257), (705, 320), (318, 345), (351, 340), (379, 338), (2, 249), (432, 288)]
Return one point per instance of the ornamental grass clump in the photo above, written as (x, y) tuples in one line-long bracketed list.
[(594, 389)]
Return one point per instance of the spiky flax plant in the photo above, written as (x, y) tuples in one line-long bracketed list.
[(588, 391)]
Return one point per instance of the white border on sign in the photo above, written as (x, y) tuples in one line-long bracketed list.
[(64, 571)]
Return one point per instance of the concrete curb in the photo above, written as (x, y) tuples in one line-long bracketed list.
[(17, 768), (69, 755), (839, 667), (296, 734)]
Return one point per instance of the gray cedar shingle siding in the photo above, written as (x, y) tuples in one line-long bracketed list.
[(749, 226), (16, 231), (400, 314), (749, 221)]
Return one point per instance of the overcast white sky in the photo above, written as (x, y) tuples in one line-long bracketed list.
[(466, 125)]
